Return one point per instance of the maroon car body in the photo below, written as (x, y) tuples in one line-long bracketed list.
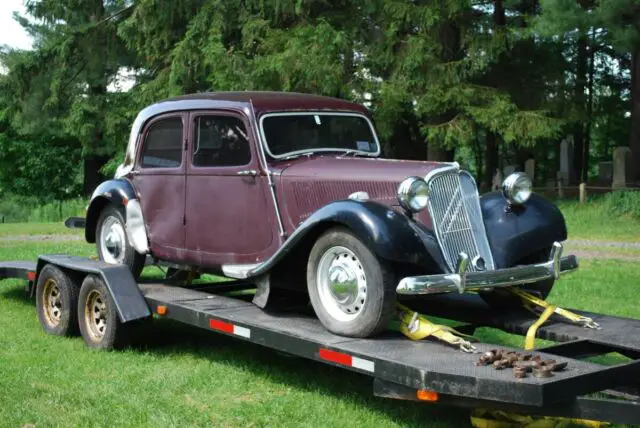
[(252, 184)]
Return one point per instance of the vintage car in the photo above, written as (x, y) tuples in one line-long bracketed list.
[(290, 190)]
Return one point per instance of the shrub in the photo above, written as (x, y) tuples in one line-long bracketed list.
[(622, 202)]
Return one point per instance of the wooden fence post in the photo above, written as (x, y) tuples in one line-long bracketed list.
[(560, 190), (583, 193)]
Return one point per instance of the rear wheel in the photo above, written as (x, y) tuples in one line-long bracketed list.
[(56, 302), (351, 290), (98, 317), (113, 244), (503, 299)]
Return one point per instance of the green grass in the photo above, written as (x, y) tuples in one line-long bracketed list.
[(594, 221), (183, 376), (24, 229)]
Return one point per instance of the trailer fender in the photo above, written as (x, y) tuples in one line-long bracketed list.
[(119, 192), (519, 231), (130, 304)]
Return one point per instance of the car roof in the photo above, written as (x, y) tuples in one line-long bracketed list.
[(271, 101)]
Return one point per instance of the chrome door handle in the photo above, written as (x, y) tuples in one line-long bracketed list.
[(250, 172)]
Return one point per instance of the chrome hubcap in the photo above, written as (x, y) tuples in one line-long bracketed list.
[(112, 241), (95, 313), (52, 304), (342, 284)]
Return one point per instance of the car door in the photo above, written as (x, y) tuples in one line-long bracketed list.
[(229, 218), (159, 180)]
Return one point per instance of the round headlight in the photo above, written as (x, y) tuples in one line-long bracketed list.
[(516, 188), (413, 194)]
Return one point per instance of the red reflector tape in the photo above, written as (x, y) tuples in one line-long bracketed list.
[(346, 360), (229, 328), (31, 276)]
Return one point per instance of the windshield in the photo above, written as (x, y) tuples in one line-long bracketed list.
[(288, 134)]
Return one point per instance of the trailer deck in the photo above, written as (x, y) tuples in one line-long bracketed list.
[(401, 367)]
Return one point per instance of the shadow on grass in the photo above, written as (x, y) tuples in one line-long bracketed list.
[(164, 338)]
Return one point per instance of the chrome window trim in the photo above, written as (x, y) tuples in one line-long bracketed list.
[(319, 113), (263, 158), (454, 167)]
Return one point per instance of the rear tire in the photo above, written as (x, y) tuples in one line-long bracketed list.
[(503, 299), (56, 302), (351, 290), (98, 318), (112, 242)]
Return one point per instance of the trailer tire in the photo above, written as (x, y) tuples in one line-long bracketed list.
[(112, 242), (56, 302), (98, 318), (351, 290)]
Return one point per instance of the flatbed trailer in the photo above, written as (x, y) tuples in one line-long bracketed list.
[(424, 370)]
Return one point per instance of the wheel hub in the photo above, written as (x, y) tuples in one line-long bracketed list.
[(96, 315), (112, 241), (52, 302), (342, 283)]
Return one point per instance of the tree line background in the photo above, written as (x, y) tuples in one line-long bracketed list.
[(487, 83)]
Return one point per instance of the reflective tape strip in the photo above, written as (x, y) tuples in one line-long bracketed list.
[(230, 328), (346, 360)]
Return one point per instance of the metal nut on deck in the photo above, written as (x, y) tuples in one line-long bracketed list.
[(542, 372)]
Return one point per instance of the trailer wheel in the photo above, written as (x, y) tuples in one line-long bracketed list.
[(112, 242), (97, 316), (351, 290), (56, 302)]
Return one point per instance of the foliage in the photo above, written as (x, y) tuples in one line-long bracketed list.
[(443, 79), (16, 209)]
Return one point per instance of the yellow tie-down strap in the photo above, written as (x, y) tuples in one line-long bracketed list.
[(417, 327), (536, 305), (481, 418)]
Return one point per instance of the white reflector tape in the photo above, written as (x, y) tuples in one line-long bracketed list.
[(242, 331), (362, 364)]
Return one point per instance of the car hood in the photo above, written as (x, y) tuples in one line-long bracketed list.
[(307, 184)]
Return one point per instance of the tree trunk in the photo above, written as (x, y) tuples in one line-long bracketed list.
[(634, 135), (490, 159), (578, 133), (584, 176), (439, 154)]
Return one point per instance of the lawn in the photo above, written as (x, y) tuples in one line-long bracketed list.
[(182, 376)]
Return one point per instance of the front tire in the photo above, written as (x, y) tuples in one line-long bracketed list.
[(97, 316), (113, 243), (351, 290)]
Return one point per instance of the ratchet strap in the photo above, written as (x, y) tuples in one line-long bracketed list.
[(481, 418), (417, 327), (545, 311)]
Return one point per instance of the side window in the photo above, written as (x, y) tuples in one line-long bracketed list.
[(163, 144), (220, 141)]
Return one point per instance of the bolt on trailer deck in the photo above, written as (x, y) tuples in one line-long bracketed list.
[(401, 369)]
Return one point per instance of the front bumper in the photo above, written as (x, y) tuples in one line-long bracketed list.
[(463, 281)]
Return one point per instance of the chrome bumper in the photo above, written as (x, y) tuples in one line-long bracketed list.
[(463, 281)]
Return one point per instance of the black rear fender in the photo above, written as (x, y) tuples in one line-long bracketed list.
[(118, 192)]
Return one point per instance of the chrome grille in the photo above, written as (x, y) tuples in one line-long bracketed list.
[(454, 206)]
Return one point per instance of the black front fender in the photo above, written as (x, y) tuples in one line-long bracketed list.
[(117, 192), (391, 235), (520, 231)]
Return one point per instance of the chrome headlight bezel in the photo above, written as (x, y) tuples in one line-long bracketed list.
[(413, 194), (517, 188)]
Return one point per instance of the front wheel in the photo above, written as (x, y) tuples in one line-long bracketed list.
[(351, 290), (113, 244)]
